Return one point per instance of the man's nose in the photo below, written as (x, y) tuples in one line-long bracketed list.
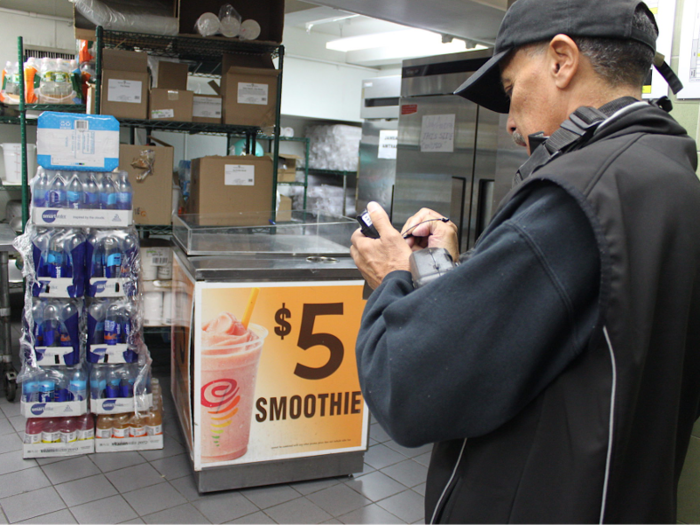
[(510, 124)]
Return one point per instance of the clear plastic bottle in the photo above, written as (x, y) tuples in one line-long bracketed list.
[(104, 426), (78, 385), (62, 379), (57, 192), (52, 325), (47, 84), (63, 87), (112, 257), (56, 260), (154, 422), (74, 193), (122, 422), (95, 255), (40, 188), (91, 194), (40, 251), (124, 191), (51, 432), (30, 390), (31, 80), (127, 378), (38, 308), (113, 381), (85, 427), (47, 389), (69, 430), (33, 430), (108, 193), (138, 426), (97, 312), (98, 382)]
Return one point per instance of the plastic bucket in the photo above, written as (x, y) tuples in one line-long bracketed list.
[(13, 162)]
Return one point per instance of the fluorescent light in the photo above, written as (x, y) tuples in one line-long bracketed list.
[(392, 38)]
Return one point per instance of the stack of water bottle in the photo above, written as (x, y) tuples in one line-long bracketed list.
[(82, 346)]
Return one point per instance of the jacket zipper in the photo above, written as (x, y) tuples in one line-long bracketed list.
[(448, 485)]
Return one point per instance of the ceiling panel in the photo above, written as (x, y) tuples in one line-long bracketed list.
[(62, 8)]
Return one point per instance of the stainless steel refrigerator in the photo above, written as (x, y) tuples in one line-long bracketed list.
[(377, 165), (453, 156)]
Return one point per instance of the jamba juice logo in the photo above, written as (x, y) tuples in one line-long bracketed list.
[(221, 397)]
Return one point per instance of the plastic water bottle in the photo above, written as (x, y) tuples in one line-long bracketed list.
[(75, 192), (78, 385), (30, 390), (40, 252), (94, 256), (57, 192), (47, 389), (124, 191), (108, 193), (40, 189), (113, 381), (74, 248), (98, 382), (70, 332), (130, 249), (62, 394), (96, 322), (127, 380), (38, 318), (112, 257), (63, 87), (116, 325), (51, 325), (56, 255), (91, 194)]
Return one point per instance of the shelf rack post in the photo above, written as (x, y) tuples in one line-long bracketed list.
[(276, 142), (98, 69), (23, 133)]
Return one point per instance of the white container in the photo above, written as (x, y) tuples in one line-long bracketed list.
[(167, 308), (152, 308), (13, 162)]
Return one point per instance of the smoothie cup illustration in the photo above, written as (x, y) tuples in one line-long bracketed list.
[(230, 358)]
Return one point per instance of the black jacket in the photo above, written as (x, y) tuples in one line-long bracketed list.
[(571, 410)]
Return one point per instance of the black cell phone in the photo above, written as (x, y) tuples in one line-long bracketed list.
[(366, 226)]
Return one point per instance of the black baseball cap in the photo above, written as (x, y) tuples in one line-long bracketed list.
[(530, 21)]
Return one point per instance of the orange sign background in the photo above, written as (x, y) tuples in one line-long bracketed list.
[(311, 416)]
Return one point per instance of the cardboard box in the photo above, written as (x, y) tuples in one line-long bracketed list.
[(172, 75), (287, 167), (51, 450), (153, 195), (250, 96), (284, 209), (131, 443), (221, 188), (125, 84), (207, 108), (170, 104)]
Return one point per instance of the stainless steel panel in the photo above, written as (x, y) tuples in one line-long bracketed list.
[(376, 177), (376, 94), (425, 179), (440, 75)]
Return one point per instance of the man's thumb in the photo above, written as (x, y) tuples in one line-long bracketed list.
[(379, 217)]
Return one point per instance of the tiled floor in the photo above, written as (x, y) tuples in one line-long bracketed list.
[(158, 486)]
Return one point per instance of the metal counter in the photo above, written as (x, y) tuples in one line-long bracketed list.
[(306, 415), (7, 235)]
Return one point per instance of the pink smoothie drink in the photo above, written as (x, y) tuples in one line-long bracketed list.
[(230, 357)]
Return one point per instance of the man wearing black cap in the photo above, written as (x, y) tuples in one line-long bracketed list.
[(557, 368)]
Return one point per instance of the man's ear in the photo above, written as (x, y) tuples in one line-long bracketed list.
[(564, 60)]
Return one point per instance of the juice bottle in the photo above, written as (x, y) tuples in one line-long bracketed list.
[(68, 427), (86, 427), (154, 423), (104, 427), (33, 430), (121, 426), (137, 426), (51, 432)]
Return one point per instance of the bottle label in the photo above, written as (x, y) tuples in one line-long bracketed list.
[(84, 435), (155, 430), (56, 197), (69, 437), (32, 439), (112, 199), (103, 433), (90, 199), (50, 437), (124, 198), (114, 259), (74, 198), (119, 433), (137, 432)]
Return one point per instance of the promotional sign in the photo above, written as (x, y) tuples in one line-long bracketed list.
[(275, 375), (182, 320)]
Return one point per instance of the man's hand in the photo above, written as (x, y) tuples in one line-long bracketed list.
[(375, 258), (433, 234)]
